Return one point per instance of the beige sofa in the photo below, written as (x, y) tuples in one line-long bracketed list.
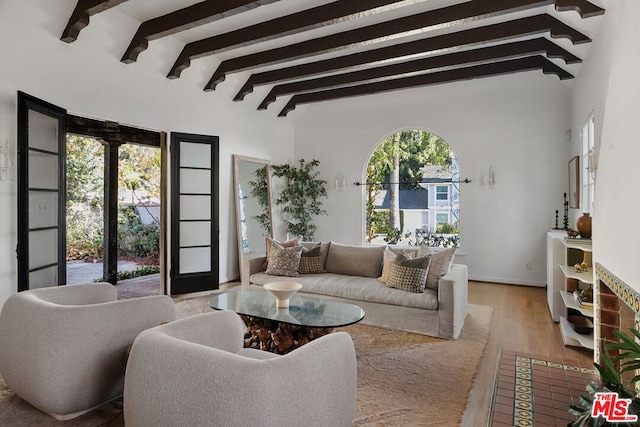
[(351, 276)]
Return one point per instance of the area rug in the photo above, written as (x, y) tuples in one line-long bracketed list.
[(409, 379), (403, 378)]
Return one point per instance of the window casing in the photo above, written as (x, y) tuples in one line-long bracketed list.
[(588, 160), (442, 218), (442, 192)]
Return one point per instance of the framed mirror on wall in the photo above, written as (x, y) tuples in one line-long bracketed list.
[(254, 209), (574, 182)]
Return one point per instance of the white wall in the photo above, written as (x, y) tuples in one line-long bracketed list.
[(87, 78), (616, 231), (515, 124)]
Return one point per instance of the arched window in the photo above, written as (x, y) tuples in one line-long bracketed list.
[(412, 191)]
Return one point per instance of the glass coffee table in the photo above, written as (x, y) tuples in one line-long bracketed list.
[(281, 330)]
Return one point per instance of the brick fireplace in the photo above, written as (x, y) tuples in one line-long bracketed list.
[(617, 308)]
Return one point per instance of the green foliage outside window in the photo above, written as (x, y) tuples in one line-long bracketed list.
[(139, 170), (446, 228), (135, 239)]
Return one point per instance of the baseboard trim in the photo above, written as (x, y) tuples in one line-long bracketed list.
[(508, 281)]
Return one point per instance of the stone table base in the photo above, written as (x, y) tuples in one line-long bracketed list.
[(277, 337)]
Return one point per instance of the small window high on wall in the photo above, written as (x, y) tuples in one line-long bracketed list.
[(589, 162)]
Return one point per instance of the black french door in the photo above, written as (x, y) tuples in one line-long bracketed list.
[(194, 213), (41, 250), (41, 193)]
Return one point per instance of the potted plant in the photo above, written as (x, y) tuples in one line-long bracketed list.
[(300, 199), (611, 370)]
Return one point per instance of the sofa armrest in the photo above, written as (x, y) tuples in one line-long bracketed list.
[(453, 294), (255, 264)]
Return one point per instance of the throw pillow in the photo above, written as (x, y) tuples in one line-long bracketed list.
[(311, 261), (388, 258), (409, 274), (284, 261), (269, 242), (440, 265)]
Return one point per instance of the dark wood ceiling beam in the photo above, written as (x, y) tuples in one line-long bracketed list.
[(520, 27), (198, 14), (583, 7), (327, 14), (473, 9), (80, 16), (467, 73), (424, 65)]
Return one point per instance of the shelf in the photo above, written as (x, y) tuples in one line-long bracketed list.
[(571, 337), (586, 247), (571, 273), (570, 302)]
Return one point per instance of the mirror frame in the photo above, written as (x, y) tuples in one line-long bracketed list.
[(244, 261), (574, 182)]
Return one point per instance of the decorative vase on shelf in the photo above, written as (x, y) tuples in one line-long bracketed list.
[(584, 226)]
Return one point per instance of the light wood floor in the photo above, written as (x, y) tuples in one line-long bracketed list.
[(521, 322)]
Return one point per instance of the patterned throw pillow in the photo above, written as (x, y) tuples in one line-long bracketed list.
[(269, 243), (407, 278), (311, 261), (387, 261), (284, 261), (409, 274)]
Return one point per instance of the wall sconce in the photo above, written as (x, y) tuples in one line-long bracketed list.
[(7, 163), (488, 178), (592, 160), (340, 182)]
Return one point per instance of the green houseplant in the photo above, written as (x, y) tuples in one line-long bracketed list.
[(300, 199), (611, 370)]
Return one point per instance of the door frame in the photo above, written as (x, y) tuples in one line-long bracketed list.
[(201, 280), (26, 103)]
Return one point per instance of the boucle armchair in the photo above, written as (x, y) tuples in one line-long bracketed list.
[(64, 349), (195, 372)]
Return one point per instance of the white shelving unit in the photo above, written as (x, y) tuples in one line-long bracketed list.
[(574, 253), (555, 276)]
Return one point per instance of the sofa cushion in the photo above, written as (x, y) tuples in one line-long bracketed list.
[(311, 261), (440, 264), (356, 288), (284, 261), (409, 274), (363, 261)]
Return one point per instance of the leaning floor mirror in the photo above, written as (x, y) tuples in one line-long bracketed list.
[(254, 212)]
